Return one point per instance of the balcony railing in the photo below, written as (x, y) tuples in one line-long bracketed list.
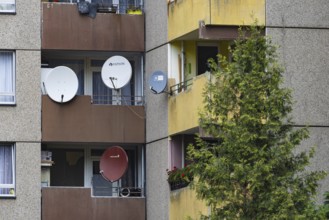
[(117, 100), (111, 6), (182, 86)]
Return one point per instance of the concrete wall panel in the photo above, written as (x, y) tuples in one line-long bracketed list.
[(297, 13), (156, 104), (319, 138), (155, 23), (304, 54), (26, 205), (21, 30), (23, 121), (157, 191)]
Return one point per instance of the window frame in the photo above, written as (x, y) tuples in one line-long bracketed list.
[(8, 3), (13, 184), (13, 76)]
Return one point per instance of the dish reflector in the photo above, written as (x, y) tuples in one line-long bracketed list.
[(116, 72), (61, 84), (158, 82), (113, 163)]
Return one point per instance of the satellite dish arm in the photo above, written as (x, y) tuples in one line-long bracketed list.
[(44, 87), (113, 78)]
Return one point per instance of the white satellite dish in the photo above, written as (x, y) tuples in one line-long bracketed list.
[(61, 84), (44, 75), (116, 72)]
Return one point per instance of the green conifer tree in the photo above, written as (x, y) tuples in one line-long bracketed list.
[(251, 171)]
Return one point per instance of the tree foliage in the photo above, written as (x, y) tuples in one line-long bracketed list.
[(252, 171)]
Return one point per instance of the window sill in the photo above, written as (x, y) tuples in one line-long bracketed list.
[(9, 104), (8, 13), (7, 197)]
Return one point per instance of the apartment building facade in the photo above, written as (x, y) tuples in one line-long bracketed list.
[(50, 151), (180, 36)]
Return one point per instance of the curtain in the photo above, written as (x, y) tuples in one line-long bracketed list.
[(101, 93), (6, 167), (6, 77)]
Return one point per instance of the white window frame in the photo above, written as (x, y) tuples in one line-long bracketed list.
[(9, 5), (13, 184), (13, 93)]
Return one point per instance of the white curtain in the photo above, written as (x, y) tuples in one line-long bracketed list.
[(6, 77), (6, 167)]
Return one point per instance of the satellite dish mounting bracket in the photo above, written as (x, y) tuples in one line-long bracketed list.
[(155, 92)]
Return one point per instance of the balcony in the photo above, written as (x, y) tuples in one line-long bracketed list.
[(77, 203), (64, 28), (184, 204), (183, 107), (81, 121), (211, 19)]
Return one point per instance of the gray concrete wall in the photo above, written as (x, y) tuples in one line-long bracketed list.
[(157, 189), (156, 104), (155, 23), (320, 141), (301, 30), (21, 123), (22, 30), (157, 198)]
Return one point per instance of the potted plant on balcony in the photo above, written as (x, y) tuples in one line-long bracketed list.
[(179, 177)]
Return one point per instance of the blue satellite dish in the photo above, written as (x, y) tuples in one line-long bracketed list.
[(158, 82)]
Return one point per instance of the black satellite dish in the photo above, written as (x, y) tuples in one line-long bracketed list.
[(158, 82)]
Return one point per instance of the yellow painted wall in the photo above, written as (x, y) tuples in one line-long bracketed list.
[(184, 204), (184, 15), (237, 12), (190, 59), (183, 108)]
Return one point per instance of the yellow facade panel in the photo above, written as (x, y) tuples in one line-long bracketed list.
[(185, 106), (184, 205), (184, 15)]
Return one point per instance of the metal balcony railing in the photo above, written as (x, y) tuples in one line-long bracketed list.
[(118, 100), (112, 6), (180, 87)]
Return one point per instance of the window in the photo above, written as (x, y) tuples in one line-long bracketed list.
[(7, 6), (7, 170), (7, 77), (204, 53)]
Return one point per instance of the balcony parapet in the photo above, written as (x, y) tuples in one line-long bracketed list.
[(77, 203), (64, 28), (184, 16), (81, 121), (184, 106)]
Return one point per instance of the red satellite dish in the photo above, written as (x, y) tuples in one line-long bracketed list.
[(113, 164)]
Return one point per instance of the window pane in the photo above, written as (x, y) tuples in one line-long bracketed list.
[(205, 53), (6, 169), (68, 167), (7, 93), (7, 5)]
